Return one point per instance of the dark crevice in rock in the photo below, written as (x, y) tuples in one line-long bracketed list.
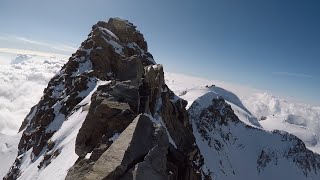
[(131, 166), (178, 167), (144, 93), (135, 161)]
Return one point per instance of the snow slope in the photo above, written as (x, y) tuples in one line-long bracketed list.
[(8, 151), (180, 83), (233, 150), (190, 88), (64, 140)]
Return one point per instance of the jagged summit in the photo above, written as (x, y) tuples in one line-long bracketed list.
[(115, 49), (124, 31)]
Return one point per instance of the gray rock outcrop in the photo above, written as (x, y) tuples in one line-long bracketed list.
[(142, 146)]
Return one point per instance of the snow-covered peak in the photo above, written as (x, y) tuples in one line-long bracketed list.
[(254, 107), (234, 150)]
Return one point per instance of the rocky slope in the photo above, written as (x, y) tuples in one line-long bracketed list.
[(108, 114)]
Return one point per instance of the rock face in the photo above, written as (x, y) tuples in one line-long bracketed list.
[(134, 96), (109, 113)]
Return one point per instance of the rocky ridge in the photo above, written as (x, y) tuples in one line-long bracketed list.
[(116, 53)]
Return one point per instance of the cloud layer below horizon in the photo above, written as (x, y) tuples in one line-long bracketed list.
[(21, 87)]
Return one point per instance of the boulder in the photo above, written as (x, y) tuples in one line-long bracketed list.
[(141, 147), (112, 109)]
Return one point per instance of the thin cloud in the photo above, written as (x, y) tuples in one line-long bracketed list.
[(56, 46), (63, 47), (60, 47), (298, 75), (26, 40), (29, 52)]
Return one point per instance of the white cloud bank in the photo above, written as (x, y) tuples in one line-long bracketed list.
[(32, 53), (21, 87)]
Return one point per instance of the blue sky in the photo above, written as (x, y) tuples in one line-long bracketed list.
[(271, 45)]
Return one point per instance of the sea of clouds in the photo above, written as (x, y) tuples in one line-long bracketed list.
[(21, 86), (23, 79)]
